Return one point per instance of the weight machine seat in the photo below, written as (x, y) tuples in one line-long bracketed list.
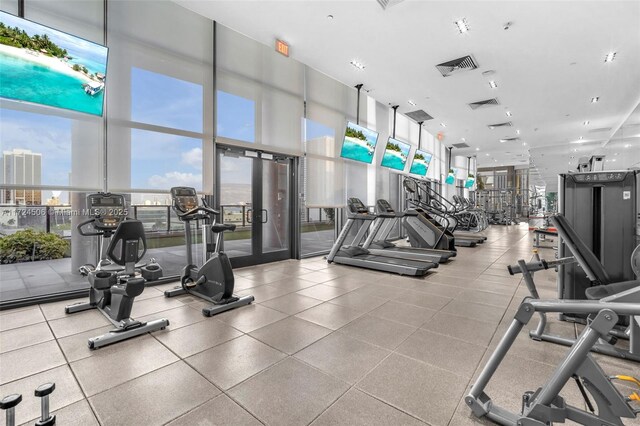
[(585, 257), (221, 227), (127, 231), (601, 291)]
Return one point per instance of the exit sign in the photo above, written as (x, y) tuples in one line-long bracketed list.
[(282, 48)]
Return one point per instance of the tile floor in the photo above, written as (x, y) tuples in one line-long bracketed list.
[(322, 345)]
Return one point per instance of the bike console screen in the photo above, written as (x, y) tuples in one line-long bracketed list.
[(108, 209), (184, 198)]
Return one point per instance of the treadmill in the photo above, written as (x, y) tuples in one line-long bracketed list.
[(377, 242), (355, 255)]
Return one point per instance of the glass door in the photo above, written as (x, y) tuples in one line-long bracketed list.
[(255, 193)]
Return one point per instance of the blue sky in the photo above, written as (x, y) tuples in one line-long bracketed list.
[(94, 54)]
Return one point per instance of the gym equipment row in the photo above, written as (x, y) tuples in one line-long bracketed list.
[(119, 275), (9, 403), (354, 255)]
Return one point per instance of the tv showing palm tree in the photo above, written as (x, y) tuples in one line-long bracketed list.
[(396, 154), (45, 66), (359, 143), (420, 162)]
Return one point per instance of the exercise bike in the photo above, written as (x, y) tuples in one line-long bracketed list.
[(117, 279), (213, 281)]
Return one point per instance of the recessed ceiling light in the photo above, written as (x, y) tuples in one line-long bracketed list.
[(610, 57), (508, 114), (586, 122), (462, 25), (477, 149), (411, 102), (493, 84), (329, 16), (613, 159), (627, 145), (357, 64), (518, 132), (487, 155), (595, 99), (524, 144), (443, 125), (463, 139)]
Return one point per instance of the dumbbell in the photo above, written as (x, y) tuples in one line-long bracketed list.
[(9, 403), (43, 391)]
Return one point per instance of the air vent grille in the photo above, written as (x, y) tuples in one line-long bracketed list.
[(385, 4), (505, 124), (460, 145), (485, 103), (466, 63), (601, 129), (419, 115)]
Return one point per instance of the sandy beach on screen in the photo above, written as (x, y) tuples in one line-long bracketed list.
[(40, 58), (357, 141)]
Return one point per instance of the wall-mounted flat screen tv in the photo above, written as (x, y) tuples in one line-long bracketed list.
[(359, 143), (45, 66), (470, 181), (451, 177), (420, 163), (396, 154)]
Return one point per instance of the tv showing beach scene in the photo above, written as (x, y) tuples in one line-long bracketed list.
[(420, 163), (396, 154), (45, 66), (359, 143), (470, 181)]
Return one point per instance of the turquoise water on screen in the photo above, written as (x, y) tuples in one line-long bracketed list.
[(393, 161), (356, 152), (26, 81), (418, 168)]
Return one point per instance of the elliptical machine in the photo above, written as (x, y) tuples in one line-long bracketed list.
[(213, 281), (117, 279)]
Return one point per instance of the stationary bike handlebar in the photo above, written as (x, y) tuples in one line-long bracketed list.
[(196, 210), (84, 233)]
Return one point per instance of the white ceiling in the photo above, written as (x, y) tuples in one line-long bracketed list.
[(548, 64)]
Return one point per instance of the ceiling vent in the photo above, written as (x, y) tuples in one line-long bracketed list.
[(419, 115), (505, 124), (466, 63), (601, 129), (385, 4), (460, 145), (484, 104), (503, 140)]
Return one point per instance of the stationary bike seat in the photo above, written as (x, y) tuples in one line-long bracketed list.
[(221, 227)]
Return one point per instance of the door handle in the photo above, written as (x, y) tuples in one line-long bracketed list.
[(249, 214), (265, 218)]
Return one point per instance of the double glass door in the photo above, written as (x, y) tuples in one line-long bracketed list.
[(255, 193)]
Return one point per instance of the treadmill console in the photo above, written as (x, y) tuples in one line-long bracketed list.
[(356, 206), (184, 198), (383, 206), (107, 209)]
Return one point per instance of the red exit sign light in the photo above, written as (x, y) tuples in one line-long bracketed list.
[(282, 48)]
